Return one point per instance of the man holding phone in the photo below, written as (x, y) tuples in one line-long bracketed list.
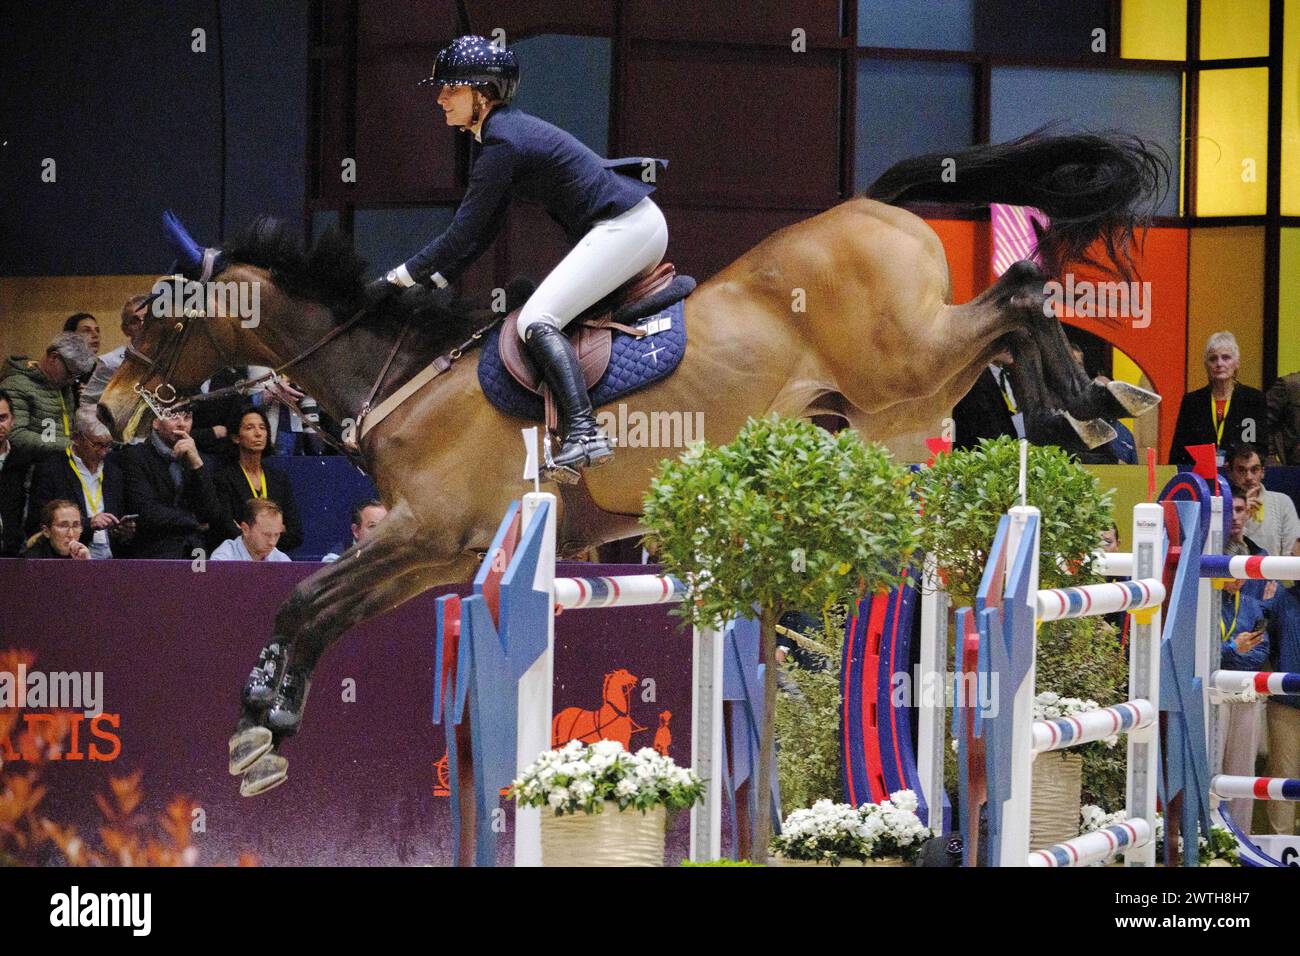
[(169, 486)]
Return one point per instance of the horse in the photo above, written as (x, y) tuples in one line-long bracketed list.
[(611, 721), (847, 313)]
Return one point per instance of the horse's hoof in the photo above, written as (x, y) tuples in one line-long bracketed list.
[(267, 773), (1093, 432), (246, 746), (562, 474), (1135, 400)]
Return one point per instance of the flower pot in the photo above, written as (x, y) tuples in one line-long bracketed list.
[(778, 860), (1057, 790), (611, 838)]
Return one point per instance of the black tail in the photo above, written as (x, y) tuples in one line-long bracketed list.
[(1092, 186)]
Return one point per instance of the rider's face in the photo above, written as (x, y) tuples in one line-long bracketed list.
[(458, 103)]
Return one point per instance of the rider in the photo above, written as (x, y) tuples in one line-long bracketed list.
[(617, 231)]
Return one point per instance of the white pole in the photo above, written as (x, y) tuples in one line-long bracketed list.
[(1144, 679), (931, 731), (533, 733), (706, 737)]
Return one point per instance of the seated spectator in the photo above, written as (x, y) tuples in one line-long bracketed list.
[(212, 416), (60, 534), (14, 466), (250, 478), (1223, 413), (170, 487), (260, 526), (1272, 522), (366, 516), (1283, 400), (43, 395), (88, 476), (85, 325), (133, 315)]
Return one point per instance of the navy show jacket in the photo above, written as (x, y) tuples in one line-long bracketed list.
[(523, 157)]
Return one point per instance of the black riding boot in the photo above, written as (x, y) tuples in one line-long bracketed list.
[(584, 444)]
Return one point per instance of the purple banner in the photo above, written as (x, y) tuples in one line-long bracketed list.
[(174, 646)]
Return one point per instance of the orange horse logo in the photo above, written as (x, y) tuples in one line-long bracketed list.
[(612, 721)]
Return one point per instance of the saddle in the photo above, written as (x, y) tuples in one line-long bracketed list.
[(592, 332)]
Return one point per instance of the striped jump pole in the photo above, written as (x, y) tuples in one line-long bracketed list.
[(1227, 787), (1096, 846), (1251, 567), (1062, 732), (630, 590), (1089, 600), (1263, 683)]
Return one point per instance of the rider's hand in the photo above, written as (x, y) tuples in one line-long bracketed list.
[(379, 290)]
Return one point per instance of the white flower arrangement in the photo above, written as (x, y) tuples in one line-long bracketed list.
[(1050, 706), (1221, 845), (582, 778), (831, 832)]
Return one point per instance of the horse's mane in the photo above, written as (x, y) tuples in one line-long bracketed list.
[(332, 273)]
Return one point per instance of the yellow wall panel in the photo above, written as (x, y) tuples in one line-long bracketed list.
[(1225, 292), (33, 308), (1291, 110), (1232, 146), (1288, 307), (1233, 28), (1153, 29)]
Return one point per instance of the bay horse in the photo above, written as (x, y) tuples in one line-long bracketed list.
[(848, 313)]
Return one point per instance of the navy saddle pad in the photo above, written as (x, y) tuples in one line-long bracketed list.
[(634, 363)]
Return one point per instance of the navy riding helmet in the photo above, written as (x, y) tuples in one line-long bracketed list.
[(474, 61)]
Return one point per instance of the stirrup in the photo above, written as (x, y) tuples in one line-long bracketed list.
[(568, 474)]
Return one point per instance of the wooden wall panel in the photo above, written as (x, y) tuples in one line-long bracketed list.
[(771, 127), (33, 309)]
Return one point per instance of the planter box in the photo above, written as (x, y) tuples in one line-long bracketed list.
[(1057, 790), (611, 838)]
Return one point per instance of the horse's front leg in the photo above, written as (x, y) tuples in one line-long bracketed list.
[(395, 564)]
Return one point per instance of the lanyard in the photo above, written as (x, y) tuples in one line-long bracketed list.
[(1006, 394), (253, 487), (94, 501), (1214, 416), (67, 429), (1228, 631)]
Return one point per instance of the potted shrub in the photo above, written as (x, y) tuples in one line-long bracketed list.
[(838, 834), (787, 516), (1219, 850), (609, 806)]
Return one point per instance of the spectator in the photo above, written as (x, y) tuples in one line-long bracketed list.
[(1271, 522), (260, 525), (212, 417), (1283, 401), (133, 315), (1223, 413), (366, 516), (43, 395), (90, 477), (249, 478), (85, 325), (170, 487), (14, 466), (1245, 647), (60, 535), (989, 409)]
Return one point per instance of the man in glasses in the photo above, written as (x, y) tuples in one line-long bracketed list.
[(90, 477), (60, 533), (43, 395), (1271, 520)]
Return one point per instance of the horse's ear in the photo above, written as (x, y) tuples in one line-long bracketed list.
[(188, 253)]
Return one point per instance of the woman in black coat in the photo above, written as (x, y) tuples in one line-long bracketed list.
[(1224, 413), (247, 478)]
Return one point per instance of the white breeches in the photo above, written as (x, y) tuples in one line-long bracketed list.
[(615, 250)]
